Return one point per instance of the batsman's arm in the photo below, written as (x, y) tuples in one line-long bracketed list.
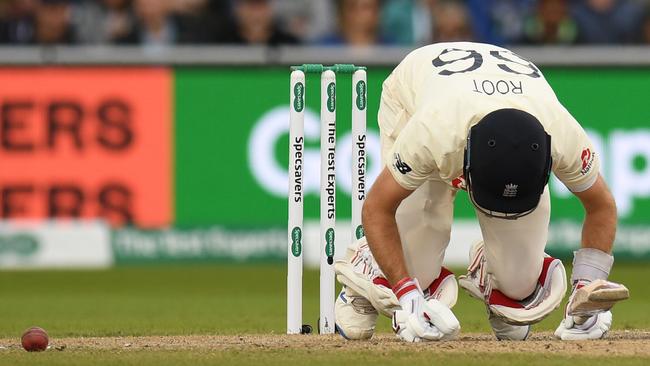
[(599, 228), (378, 217)]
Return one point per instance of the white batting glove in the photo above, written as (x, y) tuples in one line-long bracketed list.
[(577, 328), (419, 320)]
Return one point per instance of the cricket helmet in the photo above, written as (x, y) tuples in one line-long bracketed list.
[(507, 163)]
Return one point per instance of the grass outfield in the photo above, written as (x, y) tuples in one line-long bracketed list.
[(230, 300)]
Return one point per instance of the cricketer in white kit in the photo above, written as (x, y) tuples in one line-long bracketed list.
[(480, 118)]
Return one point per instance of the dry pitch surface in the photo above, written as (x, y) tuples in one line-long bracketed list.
[(619, 343), (117, 317)]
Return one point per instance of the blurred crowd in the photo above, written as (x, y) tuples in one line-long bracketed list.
[(323, 22)]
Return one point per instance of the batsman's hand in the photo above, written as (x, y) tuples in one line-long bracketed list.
[(420, 320), (583, 327)]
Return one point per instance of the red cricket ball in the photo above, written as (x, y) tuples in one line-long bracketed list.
[(35, 339)]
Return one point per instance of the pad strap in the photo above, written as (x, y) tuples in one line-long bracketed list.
[(591, 264)]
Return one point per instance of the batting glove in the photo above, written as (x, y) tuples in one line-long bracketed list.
[(420, 320), (577, 328)]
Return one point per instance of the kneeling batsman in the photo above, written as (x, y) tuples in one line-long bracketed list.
[(375, 274), (425, 314)]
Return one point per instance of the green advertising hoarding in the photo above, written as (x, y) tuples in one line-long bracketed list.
[(232, 144), (231, 138), (195, 159), (612, 106)]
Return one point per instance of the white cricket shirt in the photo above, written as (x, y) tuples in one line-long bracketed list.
[(438, 92)]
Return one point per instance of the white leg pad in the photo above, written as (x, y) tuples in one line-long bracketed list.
[(547, 296), (355, 316), (549, 292), (358, 271)]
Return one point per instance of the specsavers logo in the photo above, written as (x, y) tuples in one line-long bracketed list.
[(329, 243), (296, 241), (267, 149), (360, 99), (299, 97), (19, 244), (331, 97), (359, 232)]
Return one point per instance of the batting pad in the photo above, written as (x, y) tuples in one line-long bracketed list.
[(550, 290)]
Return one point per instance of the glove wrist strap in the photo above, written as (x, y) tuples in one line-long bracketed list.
[(404, 286), (591, 264)]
